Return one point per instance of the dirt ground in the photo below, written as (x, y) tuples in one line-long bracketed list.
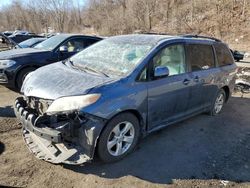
[(203, 151)]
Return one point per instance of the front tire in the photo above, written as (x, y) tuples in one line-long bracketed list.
[(218, 103), (119, 137)]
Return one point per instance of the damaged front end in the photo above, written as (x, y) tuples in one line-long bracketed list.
[(61, 137)]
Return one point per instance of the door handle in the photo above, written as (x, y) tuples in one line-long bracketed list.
[(196, 78), (186, 81)]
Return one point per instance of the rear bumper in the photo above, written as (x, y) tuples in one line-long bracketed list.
[(49, 144)]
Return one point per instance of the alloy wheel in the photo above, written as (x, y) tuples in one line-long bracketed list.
[(219, 103), (121, 138)]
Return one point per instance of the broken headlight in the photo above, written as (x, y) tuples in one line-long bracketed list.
[(72, 103)]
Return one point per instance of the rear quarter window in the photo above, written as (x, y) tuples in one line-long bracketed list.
[(224, 56), (89, 42), (201, 56)]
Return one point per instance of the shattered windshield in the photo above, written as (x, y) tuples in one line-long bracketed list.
[(111, 57), (50, 43)]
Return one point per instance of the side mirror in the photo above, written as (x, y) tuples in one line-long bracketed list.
[(63, 49), (161, 71)]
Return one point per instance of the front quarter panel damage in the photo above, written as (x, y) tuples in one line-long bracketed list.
[(59, 138), (118, 98), (90, 132)]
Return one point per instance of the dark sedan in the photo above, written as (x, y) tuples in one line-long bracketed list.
[(17, 63), (237, 55), (20, 37)]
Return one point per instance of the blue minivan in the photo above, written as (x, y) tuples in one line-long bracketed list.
[(103, 99)]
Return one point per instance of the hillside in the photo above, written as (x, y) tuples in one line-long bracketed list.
[(228, 20)]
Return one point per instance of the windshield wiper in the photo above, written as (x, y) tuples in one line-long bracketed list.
[(85, 68), (93, 70)]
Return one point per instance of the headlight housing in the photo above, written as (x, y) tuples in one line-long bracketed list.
[(6, 63), (72, 103)]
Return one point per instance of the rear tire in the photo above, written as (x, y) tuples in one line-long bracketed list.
[(21, 76), (218, 103), (119, 138)]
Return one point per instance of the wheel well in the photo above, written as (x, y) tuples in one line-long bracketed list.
[(138, 115), (227, 91), (23, 68), (134, 112)]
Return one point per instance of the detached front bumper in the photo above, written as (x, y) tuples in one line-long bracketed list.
[(50, 145)]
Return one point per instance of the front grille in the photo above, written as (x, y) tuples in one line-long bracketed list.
[(39, 105)]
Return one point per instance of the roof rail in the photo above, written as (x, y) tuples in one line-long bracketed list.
[(150, 33), (202, 37)]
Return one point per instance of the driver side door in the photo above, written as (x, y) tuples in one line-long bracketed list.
[(168, 96), (71, 47)]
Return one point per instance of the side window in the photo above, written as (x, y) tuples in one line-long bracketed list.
[(224, 56), (200, 56), (173, 57), (89, 42), (74, 45)]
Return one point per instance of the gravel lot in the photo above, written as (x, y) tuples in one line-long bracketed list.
[(199, 152)]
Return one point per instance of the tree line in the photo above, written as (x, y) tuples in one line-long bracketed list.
[(219, 18)]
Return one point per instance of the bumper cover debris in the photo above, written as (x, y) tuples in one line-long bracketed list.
[(47, 143)]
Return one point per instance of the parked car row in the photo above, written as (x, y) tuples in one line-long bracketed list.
[(102, 98), (20, 36), (8, 43), (15, 64)]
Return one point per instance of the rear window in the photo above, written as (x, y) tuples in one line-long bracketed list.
[(201, 56), (224, 56)]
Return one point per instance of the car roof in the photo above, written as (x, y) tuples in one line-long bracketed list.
[(153, 39), (36, 39), (66, 35), (139, 38)]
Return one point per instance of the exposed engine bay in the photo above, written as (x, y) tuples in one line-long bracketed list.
[(59, 138)]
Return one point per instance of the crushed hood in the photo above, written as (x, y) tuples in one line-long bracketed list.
[(58, 80), (20, 52)]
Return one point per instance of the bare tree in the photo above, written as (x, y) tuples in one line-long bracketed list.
[(110, 17)]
